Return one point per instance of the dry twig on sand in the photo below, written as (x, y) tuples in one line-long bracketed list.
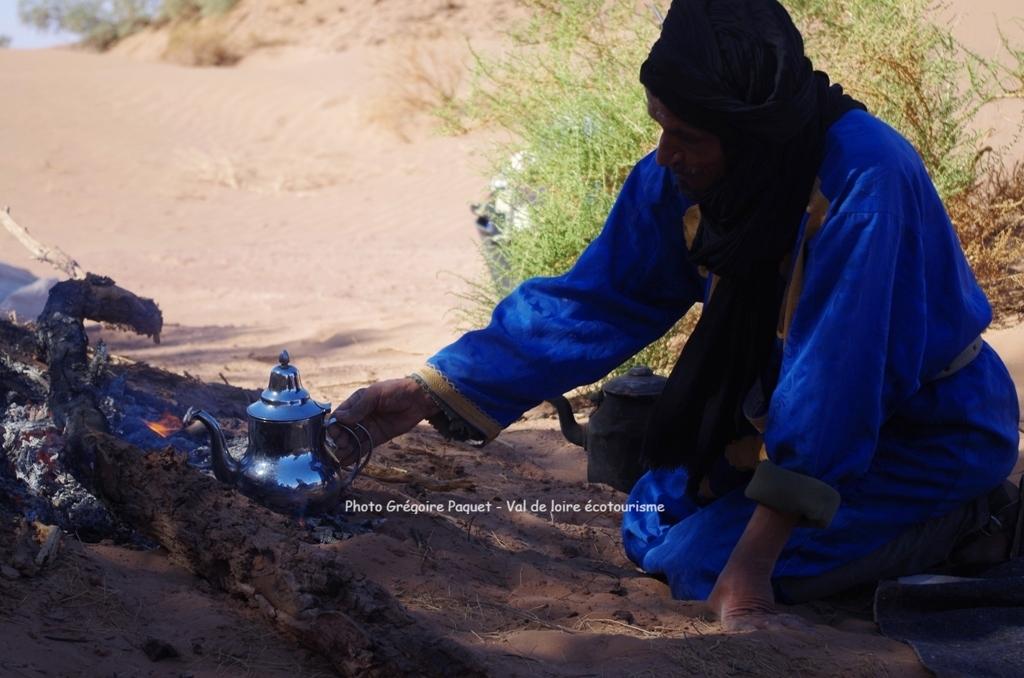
[(393, 474), (51, 255)]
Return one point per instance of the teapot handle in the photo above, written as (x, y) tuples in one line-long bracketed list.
[(331, 447)]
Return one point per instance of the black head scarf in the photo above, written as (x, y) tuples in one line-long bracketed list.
[(736, 68)]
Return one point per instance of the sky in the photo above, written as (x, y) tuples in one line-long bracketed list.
[(26, 36)]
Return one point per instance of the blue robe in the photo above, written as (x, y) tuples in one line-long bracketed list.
[(886, 301)]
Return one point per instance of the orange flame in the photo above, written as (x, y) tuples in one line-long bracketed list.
[(165, 425)]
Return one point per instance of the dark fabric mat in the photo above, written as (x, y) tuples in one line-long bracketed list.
[(965, 628)]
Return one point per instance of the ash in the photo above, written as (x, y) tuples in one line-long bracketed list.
[(33, 448)]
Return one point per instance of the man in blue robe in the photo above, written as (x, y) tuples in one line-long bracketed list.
[(835, 416)]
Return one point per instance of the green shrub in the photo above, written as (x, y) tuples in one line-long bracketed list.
[(568, 93), (5, 41), (100, 22), (568, 97), (912, 73)]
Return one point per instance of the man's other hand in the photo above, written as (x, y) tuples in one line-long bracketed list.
[(742, 596), (743, 599)]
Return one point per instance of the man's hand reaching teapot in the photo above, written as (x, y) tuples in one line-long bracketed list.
[(386, 409)]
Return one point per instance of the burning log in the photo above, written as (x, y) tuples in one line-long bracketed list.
[(61, 332), (260, 556)]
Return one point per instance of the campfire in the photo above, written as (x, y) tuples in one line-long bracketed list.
[(96, 448), (140, 410)]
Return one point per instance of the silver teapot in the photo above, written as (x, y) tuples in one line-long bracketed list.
[(291, 464)]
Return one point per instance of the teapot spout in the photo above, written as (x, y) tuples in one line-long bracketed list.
[(225, 467), (574, 432)]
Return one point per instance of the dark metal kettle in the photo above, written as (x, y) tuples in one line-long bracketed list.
[(615, 433)]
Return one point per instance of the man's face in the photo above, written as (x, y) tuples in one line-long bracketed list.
[(694, 155)]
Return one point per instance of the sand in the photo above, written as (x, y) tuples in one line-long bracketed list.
[(262, 207), (302, 199)]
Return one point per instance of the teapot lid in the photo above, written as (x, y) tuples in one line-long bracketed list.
[(639, 381), (284, 399)]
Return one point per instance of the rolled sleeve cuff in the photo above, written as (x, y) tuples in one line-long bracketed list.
[(813, 500), (456, 407)]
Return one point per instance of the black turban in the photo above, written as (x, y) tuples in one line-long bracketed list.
[(737, 68)]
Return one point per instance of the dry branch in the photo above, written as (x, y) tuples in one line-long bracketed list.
[(305, 588), (51, 255), (391, 474)]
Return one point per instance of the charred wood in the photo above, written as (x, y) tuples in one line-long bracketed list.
[(260, 556), (61, 334), (305, 588)]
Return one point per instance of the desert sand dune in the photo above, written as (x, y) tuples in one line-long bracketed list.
[(282, 204)]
